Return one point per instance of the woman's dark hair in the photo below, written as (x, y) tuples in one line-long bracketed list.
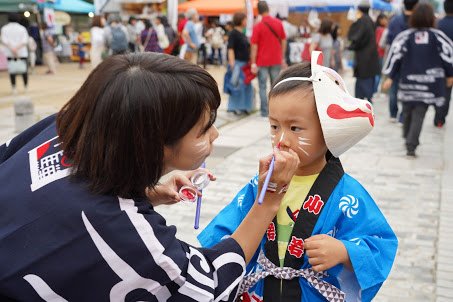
[(448, 7), (13, 17), (131, 19), (148, 24), (114, 129), (326, 27), (379, 19), (409, 4), (238, 18), (163, 20), (422, 16), (297, 70), (97, 21)]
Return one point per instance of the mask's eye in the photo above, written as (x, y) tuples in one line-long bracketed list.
[(336, 82)]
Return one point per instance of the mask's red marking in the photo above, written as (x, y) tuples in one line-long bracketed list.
[(337, 112), (320, 59)]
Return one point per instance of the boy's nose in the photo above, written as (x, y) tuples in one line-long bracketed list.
[(214, 134)]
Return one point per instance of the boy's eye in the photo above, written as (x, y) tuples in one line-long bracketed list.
[(273, 127), (294, 128)]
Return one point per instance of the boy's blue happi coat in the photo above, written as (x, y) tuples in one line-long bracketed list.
[(349, 215)]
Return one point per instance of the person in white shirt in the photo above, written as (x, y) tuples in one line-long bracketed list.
[(97, 41), (15, 39)]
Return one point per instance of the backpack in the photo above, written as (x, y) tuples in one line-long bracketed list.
[(119, 40)]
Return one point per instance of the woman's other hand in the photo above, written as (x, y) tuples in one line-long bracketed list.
[(167, 192)]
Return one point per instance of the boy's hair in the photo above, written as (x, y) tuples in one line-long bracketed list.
[(114, 129), (297, 70)]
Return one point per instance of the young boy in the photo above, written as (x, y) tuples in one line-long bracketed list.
[(329, 240)]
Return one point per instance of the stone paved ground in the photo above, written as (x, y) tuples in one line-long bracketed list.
[(410, 192)]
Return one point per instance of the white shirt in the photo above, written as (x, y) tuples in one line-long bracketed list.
[(13, 34), (97, 37)]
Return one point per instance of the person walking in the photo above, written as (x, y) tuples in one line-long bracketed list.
[(189, 34), (380, 32), (446, 26), (323, 41), (97, 41), (423, 58), (48, 44), (136, 118), (240, 99), (133, 34), (215, 36), (116, 36), (268, 51), (337, 49), (363, 43), (15, 39), (149, 38), (396, 25)]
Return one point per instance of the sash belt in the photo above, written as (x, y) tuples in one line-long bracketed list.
[(327, 290)]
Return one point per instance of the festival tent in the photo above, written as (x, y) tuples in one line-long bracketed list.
[(215, 7), (15, 5)]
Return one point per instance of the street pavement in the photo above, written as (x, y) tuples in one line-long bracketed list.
[(414, 194)]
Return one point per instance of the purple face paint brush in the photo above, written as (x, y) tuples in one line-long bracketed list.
[(200, 184), (269, 174)]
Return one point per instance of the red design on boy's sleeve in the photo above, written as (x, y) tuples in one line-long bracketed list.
[(296, 247), (313, 204), (337, 112), (271, 232)]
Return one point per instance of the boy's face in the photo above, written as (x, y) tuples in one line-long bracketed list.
[(295, 116)]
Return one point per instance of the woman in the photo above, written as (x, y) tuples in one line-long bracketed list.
[(48, 44), (132, 33), (337, 49), (423, 57), (170, 34), (161, 35), (380, 33), (149, 39), (240, 100), (110, 144), (97, 41), (323, 41), (14, 37)]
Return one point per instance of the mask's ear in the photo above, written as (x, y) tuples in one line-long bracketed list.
[(345, 120)]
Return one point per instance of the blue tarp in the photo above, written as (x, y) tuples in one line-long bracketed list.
[(72, 6), (376, 5)]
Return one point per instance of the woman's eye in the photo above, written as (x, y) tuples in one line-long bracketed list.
[(294, 128)]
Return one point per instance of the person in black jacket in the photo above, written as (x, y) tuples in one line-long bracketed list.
[(363, 43)]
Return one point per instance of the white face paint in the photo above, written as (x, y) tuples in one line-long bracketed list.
[(202, 147), (273, 139), (303, 142)]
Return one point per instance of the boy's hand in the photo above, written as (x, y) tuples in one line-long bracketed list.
[(324, 252)]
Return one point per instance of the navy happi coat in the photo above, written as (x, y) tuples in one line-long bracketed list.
[(59, 242)]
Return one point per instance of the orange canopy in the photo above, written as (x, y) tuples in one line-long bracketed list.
[(215, 7)]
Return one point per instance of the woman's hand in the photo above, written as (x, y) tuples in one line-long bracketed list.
[(167, 192), (324, 252), (387, 84)]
